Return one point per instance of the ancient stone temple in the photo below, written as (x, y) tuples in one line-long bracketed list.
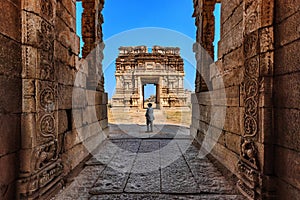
[(136, 67)]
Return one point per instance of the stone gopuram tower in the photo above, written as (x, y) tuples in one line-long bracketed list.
[(136, 67)]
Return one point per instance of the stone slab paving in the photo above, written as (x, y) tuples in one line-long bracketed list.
[(149, 167)]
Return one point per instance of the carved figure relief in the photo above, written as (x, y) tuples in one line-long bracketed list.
[(249, 152), (45, 154)]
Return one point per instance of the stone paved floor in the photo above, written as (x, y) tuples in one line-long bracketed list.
[(160, 165)]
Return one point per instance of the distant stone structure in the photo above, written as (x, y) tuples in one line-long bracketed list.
[(136, 67)]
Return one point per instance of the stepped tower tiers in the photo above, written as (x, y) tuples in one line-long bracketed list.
[(161, 66)]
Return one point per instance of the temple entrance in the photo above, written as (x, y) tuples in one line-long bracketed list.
[(151, 95), (136, 67)]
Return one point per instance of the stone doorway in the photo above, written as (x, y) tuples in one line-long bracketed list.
[(152, 91)]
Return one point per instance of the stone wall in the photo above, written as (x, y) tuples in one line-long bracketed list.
[(49, 114), (10, 96), (259, 64), (230, 68), (287, 98)]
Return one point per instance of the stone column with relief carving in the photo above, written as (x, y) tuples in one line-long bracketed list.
[(40, 164), (255, 167)]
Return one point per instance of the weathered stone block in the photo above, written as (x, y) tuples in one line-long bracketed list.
[(232, 122), (287, 59), (265, 157), (10, 128), (92, 96), (203, 98), (232, 96), (77, 118), (71, 139), (228, 8), (286, 191), (104, 124), (89, 115), (65, 97), (65, 36), (287, 166), (266, 39), (29, 101), (79, 98), (63, 123), (73, 157), (10, 20), (30, 62), (105, 98), (81, 65), (230, 78), (8, 191), (65, 74), (63, 54), (64, 15), (287, 98), (232, 40), (233, 142), (226, 156), (203, 127), (233, 60), (11, 97), (99, 98), (266, 135), (265, 96), (266, 13), (8, 169), (287, 127), (46, 9), (70, 6), (99, 112), (28, 130), (286, 8), (10, 57), (37, 32), (204, 113), (233, 19), (80, 80), (266, 64)]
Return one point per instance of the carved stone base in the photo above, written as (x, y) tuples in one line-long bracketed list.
[(41, 183), (249, 181)]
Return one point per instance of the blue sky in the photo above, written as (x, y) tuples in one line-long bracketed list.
[(141, 22)]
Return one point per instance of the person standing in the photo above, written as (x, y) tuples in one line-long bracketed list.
[(149, 117)]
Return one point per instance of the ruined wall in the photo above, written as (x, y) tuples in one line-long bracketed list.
[(10, 96), (57, 120), (230, 68), (245, 65), (287, 98)]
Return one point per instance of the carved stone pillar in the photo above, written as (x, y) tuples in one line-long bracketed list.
[(255, 165), (204, 49), (40, 165), (92, 20)]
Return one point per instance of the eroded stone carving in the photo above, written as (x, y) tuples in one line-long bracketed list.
[(47, 8), (47, 126), (45, 154)]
